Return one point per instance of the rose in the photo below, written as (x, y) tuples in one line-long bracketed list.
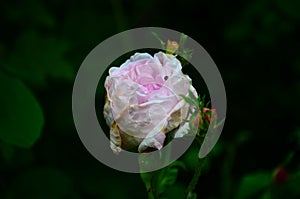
[(143, 102)]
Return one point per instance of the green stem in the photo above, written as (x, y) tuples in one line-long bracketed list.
[(195, 179), (151, 194), (150, 179)]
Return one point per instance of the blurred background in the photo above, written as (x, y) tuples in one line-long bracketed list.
[(254, 43)]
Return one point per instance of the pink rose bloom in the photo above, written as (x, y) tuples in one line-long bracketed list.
[(143, 102)]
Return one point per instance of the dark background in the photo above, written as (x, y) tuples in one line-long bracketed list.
[(255, 45)]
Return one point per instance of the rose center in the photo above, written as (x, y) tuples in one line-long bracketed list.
[(147, 89), (152, 87)]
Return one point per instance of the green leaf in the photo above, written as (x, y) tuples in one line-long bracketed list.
[(203, 98), (182, 40), (188, 100), (253, 185), (21, 118), (162, 43), (158, 182), (208, 112), (199, 98), (192, 96), (147, 179), (207, 104), (167, 179), (220, 122), (201, 102)]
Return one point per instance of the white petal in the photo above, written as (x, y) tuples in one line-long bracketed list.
[(154, 142), (140, 120), (140, 56), (168, 61), (182, 131)]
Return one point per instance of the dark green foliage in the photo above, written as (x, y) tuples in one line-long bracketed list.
[(255, 45), (21, 118), (253, 185), (37, 58), (32, 184), (159, 183)]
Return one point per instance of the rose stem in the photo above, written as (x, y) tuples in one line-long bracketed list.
[(197, 174)]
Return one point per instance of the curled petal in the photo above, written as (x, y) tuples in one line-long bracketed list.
[(115, 139), (107, 112), (182, 131), (129, 141), (155, 142), (168, 61)]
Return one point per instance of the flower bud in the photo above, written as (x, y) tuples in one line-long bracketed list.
[(172, 46), (210, 115), (280, 175)]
